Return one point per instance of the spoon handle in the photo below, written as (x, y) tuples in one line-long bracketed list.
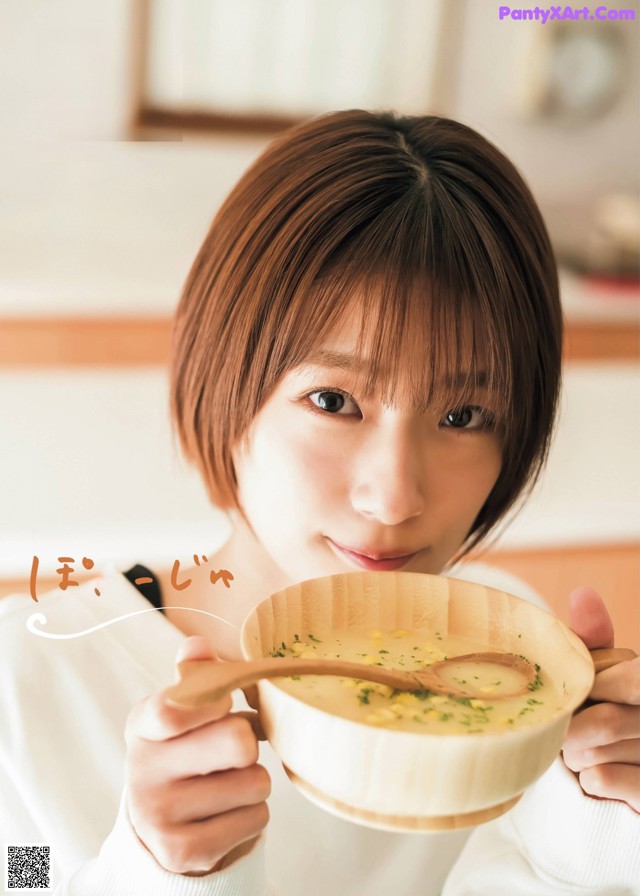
[(605, 657), (202, 681)]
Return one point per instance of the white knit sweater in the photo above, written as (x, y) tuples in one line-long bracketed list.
[(63, 705)]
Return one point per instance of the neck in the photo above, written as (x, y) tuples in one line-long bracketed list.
[(255, 577)]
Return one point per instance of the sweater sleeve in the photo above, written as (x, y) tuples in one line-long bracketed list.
[(124, 867), (556, 840)]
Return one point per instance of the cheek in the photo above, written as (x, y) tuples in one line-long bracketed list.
[(488, 466), (467, 476), (283, 464)]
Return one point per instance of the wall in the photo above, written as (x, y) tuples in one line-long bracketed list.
[(64, 68)]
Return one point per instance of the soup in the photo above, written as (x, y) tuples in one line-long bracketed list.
[(482, 711)]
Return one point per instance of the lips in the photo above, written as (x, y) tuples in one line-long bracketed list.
[(369, 558)]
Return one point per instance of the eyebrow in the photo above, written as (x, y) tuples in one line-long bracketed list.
[(341, 360), (345, 361)]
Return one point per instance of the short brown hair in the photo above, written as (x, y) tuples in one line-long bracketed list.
[(429, 222)]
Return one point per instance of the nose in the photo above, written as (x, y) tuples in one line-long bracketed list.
[(389, 475)]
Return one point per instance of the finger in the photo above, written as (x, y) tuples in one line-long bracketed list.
[(618, 684), (195, 647), (158, 719), (199, 847), (589, 618), (622, 751), (223, 744), (604, 723), (613, 782), (203, 797), (254, 720)]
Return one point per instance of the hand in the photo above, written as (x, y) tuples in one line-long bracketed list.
[(194, 789), (603, 742)]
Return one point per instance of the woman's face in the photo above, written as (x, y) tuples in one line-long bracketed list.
[(332, 483)]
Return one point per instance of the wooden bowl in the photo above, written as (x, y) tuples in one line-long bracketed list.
[(399, 780)]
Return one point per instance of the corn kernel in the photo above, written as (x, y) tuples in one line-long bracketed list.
[(478, 704), (309, 655), (375, 633), (399, 633), (432, 714), (488, 690), (406, 697), (299, 646), (348, 682), (386, 714), (373, 719)]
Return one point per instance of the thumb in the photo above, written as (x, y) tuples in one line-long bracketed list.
[(589, 618), (197, 647), (193, 653)]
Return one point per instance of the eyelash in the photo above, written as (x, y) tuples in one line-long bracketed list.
[(489, 421), (309, 405)]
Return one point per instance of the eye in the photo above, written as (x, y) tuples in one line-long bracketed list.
[(333, 401), (469, 418)]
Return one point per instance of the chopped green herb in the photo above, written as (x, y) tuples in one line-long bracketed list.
[(312, 638), (422, 693), (536, 683)]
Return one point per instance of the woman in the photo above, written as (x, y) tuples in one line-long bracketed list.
[(366, 369)]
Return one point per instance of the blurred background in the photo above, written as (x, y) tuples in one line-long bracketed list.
[(125, 124)]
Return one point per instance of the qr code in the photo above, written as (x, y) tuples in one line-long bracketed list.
[(28, 867)]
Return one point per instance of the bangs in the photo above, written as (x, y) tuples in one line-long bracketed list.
[(426, 340)]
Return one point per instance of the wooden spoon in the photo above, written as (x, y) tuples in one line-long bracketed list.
[(202, 681)]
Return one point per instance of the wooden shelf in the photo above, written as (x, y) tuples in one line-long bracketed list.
[(116, 341)]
